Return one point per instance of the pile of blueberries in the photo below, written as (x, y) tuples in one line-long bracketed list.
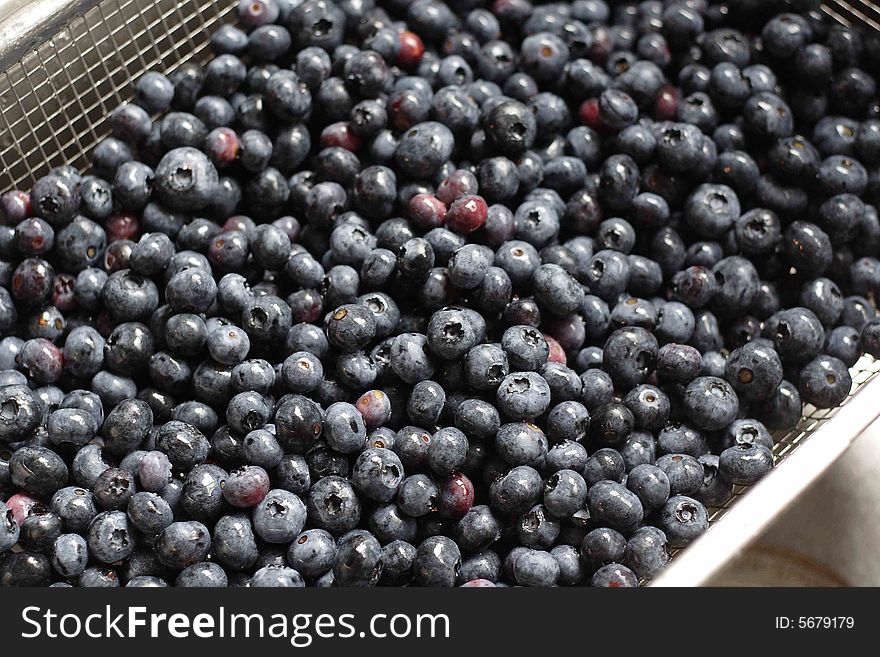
[(436, 293)]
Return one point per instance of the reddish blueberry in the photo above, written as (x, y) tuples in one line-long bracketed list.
[(63, 297), (15, 206), (478, 584), (32, 281), (557, 353), (123, 227), (666, 103), (588, 113), (457, 184), (411, 49), (223, 146), (340, 134), (467, 214), (456, 496), (375, 407), (246, 486), (427, 211)]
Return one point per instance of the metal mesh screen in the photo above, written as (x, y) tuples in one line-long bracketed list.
[(53, 103), (786, 442), (854, 12)]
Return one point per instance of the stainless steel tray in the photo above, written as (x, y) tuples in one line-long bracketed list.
[(64, 64)]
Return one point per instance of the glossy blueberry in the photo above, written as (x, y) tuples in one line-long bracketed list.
[(613, 505), (754, 370), (564, 493), (202, 575), (824, 381), (523, 395), (683, 519), (646, 552), (279, 517), (109, 537), (745, 464), (437, 562), (684, 472), (233, 543), (333, 505), (710, 403)]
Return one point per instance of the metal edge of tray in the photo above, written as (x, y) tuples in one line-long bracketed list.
[(756, 510), (27, 24)]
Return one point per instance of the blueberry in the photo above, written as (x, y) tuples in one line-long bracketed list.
[(109, 537), (409, 358), (113, 488), (614, 575), (679, 438), (678, 363), (55, 199), (202, 575), (737, 283), (613, 505), (149, 513), (37, 470), (649, 406), (842, 342), (598, 388), (754, 370), (447, 451), (234, 543), (358, 560), (183, 544), (798, 335), (629, 355), (423, 149), (274, 576), (437, 562), (611, 423), (350, 327), (266, 319), (715, 490), (684, 472), (646, 552), (20, 413), (564, 493), (745, 464), (450, 334), (536, 568), (683, 519), (520, 443), (70, 555), (185, 179), (556, 290), (333, 505), (389, 524), (568, 420), (650, 484), (76, 508), (523, 395), (807, 247), (516, 491), (279, 517), (566, 455), (710, 403), (767, 116), (824, 382), (525, 348)]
